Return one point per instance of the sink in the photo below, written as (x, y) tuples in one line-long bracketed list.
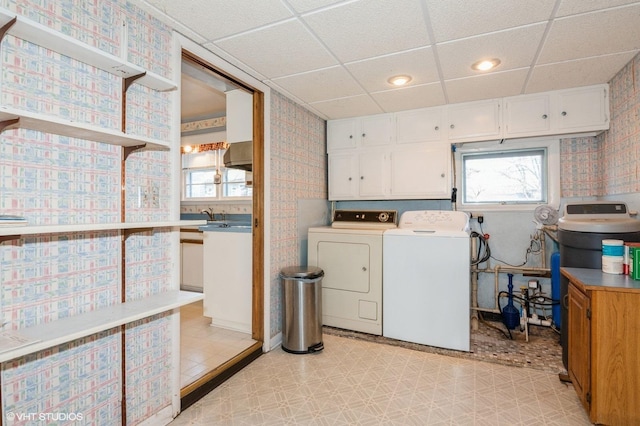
[(221, 224)]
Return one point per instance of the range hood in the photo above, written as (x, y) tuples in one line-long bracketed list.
[(239, 155)]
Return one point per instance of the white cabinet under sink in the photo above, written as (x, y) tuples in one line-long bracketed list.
[(227, 279), (191, 260)]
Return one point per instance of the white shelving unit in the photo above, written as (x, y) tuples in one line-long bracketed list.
[(43, 336), (41, 35), (6, 231), (62, 127)]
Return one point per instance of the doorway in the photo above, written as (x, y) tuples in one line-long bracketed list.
[(211, 354)]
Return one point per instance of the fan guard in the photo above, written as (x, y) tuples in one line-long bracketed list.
[(546, 215)]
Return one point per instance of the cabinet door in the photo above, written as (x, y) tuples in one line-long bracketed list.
[(341, 134), (582, 109), (474, 121), (343, 176), (420, 125), (191, 265), (376, 130), (421, 172), (527, 115), (579, 349), (373, 174)]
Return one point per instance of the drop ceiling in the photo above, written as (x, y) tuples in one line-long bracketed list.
[(335, 57)]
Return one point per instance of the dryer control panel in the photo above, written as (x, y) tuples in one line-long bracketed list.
[(365, 218), (441, 220)]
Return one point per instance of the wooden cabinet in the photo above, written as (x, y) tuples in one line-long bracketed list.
[(474, 121), (583, 109), (369, 131), (604, 326)]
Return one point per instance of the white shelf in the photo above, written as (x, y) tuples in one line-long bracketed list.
[(62, 127), (60, 229), (64, 330), (46, 37)]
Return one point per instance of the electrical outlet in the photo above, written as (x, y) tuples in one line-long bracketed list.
[(154, 196)]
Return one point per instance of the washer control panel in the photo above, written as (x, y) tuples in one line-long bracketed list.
[(435, 219)]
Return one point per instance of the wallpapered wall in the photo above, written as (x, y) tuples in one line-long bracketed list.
[(56, 180), (607, 164), (298, 171)]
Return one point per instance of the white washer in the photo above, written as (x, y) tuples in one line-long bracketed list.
[(350, 254), (426, 277)]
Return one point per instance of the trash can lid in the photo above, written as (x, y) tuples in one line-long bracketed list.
[(307, 272)]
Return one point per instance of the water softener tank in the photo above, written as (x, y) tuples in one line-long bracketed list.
[(580, 233)]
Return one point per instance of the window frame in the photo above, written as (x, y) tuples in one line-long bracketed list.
[(552, 157), (220, 197)]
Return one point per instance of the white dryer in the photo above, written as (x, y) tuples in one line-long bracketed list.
[(350, 254), (426, 277)]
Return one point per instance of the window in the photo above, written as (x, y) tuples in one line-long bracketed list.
[(205, 178), (515, 175)]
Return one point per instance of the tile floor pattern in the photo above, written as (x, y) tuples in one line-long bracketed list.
[(358, 382), (203, 347)]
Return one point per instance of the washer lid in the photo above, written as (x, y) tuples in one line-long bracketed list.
[(598, 217)]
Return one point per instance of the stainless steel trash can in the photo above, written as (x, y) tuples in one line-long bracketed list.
[(302, 315)]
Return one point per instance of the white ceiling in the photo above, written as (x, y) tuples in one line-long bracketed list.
[(334, 57)]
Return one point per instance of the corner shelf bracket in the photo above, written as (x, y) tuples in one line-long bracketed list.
[(128, 150), (7, 124), (5, 28), (128, 81), (4, 238)]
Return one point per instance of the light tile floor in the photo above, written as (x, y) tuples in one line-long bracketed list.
[(356, 382), (203, 347)]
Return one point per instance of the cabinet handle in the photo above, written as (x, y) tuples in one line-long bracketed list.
[(452, 126), (361, 177), (437, 128), (350, 136), (364, 268), (364, 134), (349, 178), (441, 174), (563, 113), (544, 116)]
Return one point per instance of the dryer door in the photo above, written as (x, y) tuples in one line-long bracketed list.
[(346, 265)]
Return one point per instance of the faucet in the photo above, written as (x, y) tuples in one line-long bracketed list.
[(209, 212)]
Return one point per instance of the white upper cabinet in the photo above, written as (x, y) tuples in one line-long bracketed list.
[(581, 109), (420, 125), (421, 172), (374, 130), (584, 109), (527, 115), (358, 175), (239, 116), (474, 121)]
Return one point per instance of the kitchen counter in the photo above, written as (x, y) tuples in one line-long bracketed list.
[(226, 226), (595, 279)]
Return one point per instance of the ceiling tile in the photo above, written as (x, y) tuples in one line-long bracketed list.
[(582, 72), (487, 86), (454, 19), (302, 6), (214, 19), (515, 48), (368, 28), (264, 50), (572, 7), (373, 74), (592, 34), (355, 106), (425, 95), (321, 85)]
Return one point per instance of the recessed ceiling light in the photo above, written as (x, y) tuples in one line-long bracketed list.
[(399, 80), (486, 64)]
